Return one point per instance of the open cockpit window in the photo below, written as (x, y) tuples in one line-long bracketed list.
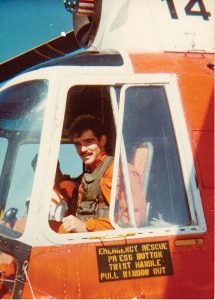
[(22, 109), (83, 178), (145, 183)]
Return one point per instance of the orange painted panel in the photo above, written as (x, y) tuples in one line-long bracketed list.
[(71, 272), (204, 143), (195, 82)]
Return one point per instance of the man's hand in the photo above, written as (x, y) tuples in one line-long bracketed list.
[(73, 224)]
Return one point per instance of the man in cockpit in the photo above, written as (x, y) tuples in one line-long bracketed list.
[(88, 134), (90, 139)]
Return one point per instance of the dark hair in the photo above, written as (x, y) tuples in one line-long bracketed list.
[(87, 122)]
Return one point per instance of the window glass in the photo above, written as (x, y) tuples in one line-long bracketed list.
[(22, 106), (152, 154), (3, 148), (22, 109), (22, 180), (150, 189)]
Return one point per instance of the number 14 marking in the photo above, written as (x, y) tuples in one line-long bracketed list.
[(189, 9)]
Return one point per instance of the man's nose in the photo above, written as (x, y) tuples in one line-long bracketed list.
[(83, 148)]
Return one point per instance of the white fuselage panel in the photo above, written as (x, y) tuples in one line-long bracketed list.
[(157, 25)]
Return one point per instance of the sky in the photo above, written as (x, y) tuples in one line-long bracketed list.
[(25, 24)]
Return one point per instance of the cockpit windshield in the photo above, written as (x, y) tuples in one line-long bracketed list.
[(22, 109), (21, 104)]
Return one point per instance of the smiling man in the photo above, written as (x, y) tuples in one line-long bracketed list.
[(90, 139)]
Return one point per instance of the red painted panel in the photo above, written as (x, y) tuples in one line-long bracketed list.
[(71, 271), (204, 143)]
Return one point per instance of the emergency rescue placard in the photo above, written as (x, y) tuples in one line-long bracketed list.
[(132, 261)]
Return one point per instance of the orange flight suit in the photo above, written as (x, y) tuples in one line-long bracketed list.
[(139, 201)]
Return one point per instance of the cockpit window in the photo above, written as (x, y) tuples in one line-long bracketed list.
[(23, 99), (23, 170), (147, 187), (23, 105), (83, 178), (150, 150), (3, 149), (22, 109)]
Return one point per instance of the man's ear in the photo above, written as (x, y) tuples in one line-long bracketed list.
[(103, 140)]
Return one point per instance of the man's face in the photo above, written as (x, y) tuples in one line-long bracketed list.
[(89, 146)]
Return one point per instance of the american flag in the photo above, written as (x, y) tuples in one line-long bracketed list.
[(85, 7)]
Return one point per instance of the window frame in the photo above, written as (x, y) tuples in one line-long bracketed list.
[(185, 157), (170, 83)]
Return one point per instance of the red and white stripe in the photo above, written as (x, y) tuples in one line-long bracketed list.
[(86, 7)]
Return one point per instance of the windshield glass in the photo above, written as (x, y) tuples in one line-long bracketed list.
[(22, 109), (153, 165), (151, 147)]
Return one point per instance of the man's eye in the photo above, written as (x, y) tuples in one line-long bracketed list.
[(89, 142)]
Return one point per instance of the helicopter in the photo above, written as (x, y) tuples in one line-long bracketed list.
[(146, 68)]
